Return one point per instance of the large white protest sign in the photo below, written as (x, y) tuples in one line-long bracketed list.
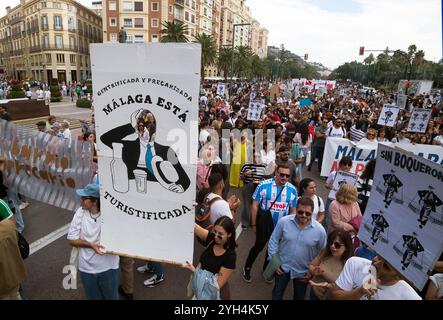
[(419, 120), (401, 100), (342, 178), (146, 120), (45, 167), (388, 115), (255, 109), (403, 221), (337, 148), (221, 89)]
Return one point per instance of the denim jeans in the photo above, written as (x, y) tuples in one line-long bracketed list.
[(158, 268), (281, 282), (101, 286), (13, 197)]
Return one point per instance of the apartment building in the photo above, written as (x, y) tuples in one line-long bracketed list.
[(262, 50), (44, 40)]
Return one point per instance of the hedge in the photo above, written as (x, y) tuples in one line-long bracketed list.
[(83, 103)]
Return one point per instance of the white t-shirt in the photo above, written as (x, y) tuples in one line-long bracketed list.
[(267, 157), (336, 133), (85, 228), (355, 271), (67, 134), (204, 134), (219, 208), (437, 279), (439, 139)]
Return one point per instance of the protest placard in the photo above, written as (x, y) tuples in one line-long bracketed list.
[(403, 221), (255, 109), (388, 115), (221, 89), (147, 137), (401, 100), (342, 178), (419, 120)]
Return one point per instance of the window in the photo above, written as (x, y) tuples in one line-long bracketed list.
[(56, 5), (71, 23), (138, 22), (155, 38), (113, 37), (72, 45), (154, 6), (138, 39), (127, 23), (193, 4), (127, 6), (59, 41), (129, 38), (112, 6), (72, 58), (171, 9), (48, 58), (58, 22), (205, 12), (154, 23), (192, 18), (44, 22), (138, 6), (45, 40), (187, 16), (60, 58), (112, 22), (187, 3), (43, 4)]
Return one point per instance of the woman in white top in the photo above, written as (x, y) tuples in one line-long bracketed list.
[(304, 139), (370, 137), (267, 153), (308, 188), (99, 271)]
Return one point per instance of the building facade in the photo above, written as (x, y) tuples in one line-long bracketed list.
[(43, 40)]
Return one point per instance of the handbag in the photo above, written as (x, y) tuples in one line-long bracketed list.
[(23, 245)]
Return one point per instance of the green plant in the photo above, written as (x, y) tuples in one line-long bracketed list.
[(83, 103), (89, 86), (56, 95)]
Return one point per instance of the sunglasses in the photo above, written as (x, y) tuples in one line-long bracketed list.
[(283, 175), (218, 235), (336, 245), (306, 213)]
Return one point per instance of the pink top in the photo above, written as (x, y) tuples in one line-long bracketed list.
[(341, 214)]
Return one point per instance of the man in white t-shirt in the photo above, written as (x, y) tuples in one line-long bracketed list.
[(337, 131), (220, 207), (362, 279)]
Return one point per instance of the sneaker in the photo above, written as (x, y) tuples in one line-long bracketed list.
[(145, 269), (127, 296), (24, 205), (247, 274), (153, 281)]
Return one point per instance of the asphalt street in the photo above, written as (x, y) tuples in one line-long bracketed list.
[(46, 228)]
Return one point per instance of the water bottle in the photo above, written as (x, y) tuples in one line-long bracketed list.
[(119, 171)]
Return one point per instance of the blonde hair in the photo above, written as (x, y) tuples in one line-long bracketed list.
[(347, 194)]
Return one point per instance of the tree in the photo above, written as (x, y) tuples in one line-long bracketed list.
[(209, 51), (174, 32), (243, 58), (259, 68), (224, 61)]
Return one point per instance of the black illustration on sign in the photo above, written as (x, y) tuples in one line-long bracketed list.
[(388, 115), (426, 206), (420, 126), (391, 186), (412, 126), (139, 157), (410, 248), (424, 116), (415, 116), (379, 224)]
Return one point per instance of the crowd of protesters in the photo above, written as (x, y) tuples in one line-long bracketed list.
[(310, 241)]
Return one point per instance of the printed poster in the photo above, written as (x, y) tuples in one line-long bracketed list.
[(419, 120), (388, 115), (340, 179), (255, 109), (146, 120), (221, 89), (403, 221)]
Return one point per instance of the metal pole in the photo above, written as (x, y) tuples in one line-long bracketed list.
[(233, 48)]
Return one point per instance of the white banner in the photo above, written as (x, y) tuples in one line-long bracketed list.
[(419, 120), (388, 115), (337, 148), (342, 178), (255, 109), (45, 167), (403, 221), (146, 120), (221, 89)]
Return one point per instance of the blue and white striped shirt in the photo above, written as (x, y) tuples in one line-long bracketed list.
[(266, 193)]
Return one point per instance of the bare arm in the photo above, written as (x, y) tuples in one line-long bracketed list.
[(223, 276), (336, 293), (201, 232), (320, 217), (98, 248)]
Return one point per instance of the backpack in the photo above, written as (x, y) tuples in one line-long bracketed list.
[(203, 213)]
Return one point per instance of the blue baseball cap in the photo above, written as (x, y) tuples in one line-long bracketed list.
[(91, 190)]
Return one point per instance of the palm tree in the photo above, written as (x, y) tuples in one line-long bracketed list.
[(209, 51), (174, 32), (243, 60), (224, 61)]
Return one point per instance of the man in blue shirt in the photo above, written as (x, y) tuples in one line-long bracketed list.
[(273, 199), (297, 240)]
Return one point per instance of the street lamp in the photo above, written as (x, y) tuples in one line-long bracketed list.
[(233, 47)]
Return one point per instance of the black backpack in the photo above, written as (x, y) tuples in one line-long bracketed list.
[(203, 212)]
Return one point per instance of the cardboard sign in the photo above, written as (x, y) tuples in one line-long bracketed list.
[(340, 179), (388, 115), (255, 109), (419, 120)]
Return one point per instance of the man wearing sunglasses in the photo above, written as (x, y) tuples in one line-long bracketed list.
[(272, 199), (298, 240), (337, 131)]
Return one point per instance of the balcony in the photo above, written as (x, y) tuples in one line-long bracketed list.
[(72, 29), (59, 47), (58, 28), (180, 3), (34, 49), (80, 32), (45, 27), (15, 20), (18, 52)]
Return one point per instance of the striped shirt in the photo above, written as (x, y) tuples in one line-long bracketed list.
[(258, 172), (355, 134), (266, 193)]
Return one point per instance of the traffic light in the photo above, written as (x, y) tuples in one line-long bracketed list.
[(362, 51), (306, 56)]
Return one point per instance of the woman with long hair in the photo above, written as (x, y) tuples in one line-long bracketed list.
[(219, 257), (344, 210), (326, 267), (308, 188)]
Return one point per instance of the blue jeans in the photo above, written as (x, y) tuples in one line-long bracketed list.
[(13, 197), (101, 286), (158, 268), (281, 282)]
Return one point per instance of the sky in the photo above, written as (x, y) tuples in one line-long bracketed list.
[(331, 31)]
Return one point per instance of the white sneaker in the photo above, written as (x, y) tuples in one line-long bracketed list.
[(24, 205), (145, 269), (153, 281)]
